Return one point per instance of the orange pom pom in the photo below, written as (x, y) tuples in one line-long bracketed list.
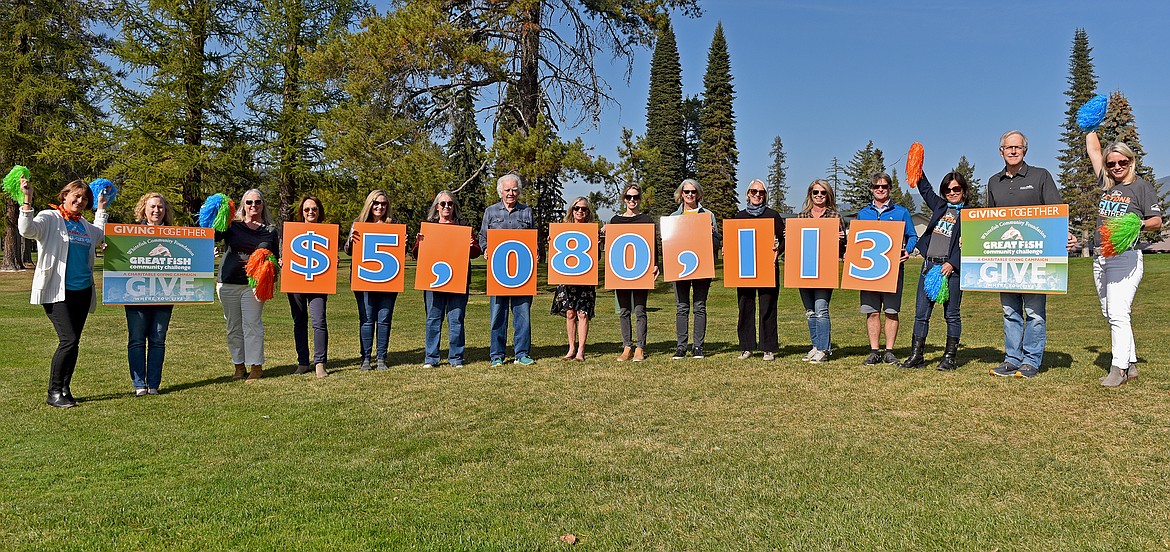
[(261, 271), (914, 164)]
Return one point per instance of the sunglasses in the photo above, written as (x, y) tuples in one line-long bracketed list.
[(954, 190), (310, 210), (757, 192), (580, 209), (1123, 163), (251, 202), (819, 193), (633, 197), (380, 203), (879, 187), (446, 204), (690, 192)]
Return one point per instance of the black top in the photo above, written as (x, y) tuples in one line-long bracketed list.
[(640, 217), (777, 221), (1030, 186), (949, 229), (241, 241)]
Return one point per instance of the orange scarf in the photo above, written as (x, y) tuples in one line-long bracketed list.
[(66, 214)]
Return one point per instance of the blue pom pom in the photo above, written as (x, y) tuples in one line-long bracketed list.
[(1090, 115), (102, 185), (209, 210), (933, 281)]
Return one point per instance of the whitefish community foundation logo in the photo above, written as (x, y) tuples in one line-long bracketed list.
[(1015, 249)]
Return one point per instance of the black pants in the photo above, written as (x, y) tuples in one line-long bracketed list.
[(747, 319), (68, 318)]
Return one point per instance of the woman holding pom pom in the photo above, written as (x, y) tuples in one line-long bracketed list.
[(1128, 206), (251, 229), (308, 307), (63, 281), (148, 324), (375, 308), (939, 246)]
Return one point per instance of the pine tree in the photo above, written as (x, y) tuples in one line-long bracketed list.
[(898, 195), (857, 177), (835, 175), (1078, 183), (777, 174), (633, 159), (664, 121), (1120, 125), (466, 159), (718, 156), (692, 111), (974, 187)]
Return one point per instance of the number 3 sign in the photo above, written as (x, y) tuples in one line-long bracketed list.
[(378, 259), (872, 256)]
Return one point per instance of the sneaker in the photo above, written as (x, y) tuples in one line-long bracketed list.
[(697, 352), (744, 355), (455, 364), (1027, 371), (818, 356), (525, 360), (769, 357), (366, 365), (1005, 370), (639, 354), (151, 390), (889, 358), (679, 353), (809, 354), (873, 358), (382, 365), (428, 366), (140, 392), (497, 362)]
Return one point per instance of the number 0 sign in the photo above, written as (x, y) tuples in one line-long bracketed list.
[(511, 262), (379, 257), (629, 256)]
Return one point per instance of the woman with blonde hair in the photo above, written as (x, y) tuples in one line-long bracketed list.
[(819, 202), (251, 228), (375, 308), (147, 324), (576, 302), (1117, 273), (688, 196)]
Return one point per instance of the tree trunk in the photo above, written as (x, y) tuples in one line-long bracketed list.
[(194, 91), (289, 136), (12, 246)]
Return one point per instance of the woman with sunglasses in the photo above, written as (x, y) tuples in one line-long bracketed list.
[(375, 308), (576, 302), (310, 307), (939, 246), (1117, 277), (820, 202), (63, 281), (251, 228), (688, 196), (632, 300), (757, 207), (445, 210)]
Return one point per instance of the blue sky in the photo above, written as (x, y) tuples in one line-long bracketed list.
[(828, 76)]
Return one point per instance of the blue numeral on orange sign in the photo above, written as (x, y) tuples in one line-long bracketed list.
[(747, 253), (372, 252), (810, 253), (571, 245), (879, 265), (524, 264), (617, 256)]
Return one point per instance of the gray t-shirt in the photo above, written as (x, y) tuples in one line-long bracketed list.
[(1137, 197), (1029, 186), (941, 236)]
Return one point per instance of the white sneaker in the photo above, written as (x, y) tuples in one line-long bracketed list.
[(428, 366), (745, 355), (807, 356), (769, 357), (818, 356)]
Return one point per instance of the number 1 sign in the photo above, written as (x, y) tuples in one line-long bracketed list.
[(747, 252), (810, 253)]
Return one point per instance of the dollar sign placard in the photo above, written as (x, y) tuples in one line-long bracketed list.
[(310, 258)]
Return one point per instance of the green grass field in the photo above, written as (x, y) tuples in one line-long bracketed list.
[(661, 455)]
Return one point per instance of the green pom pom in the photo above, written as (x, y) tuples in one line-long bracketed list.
[(223, 217), (1124, 231), (251, 282), (944, 291), (12, 183)]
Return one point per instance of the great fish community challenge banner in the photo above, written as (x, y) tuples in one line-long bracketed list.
[(1015, 249), (146, 265)]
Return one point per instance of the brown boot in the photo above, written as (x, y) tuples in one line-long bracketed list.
[(257, 371), (241, 371), (626, 355), (321, 373), (639, 355)]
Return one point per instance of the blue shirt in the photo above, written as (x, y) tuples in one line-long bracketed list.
[(892, 212), (498, 217), (78, 275)]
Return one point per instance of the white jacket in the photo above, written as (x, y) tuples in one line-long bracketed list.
[(48, 228)]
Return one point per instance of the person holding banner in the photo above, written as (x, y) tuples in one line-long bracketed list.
[(1024, 326), (874, 303), (632, 301), (820, 202), (310, 307), (445, 210), (251, 228), (63, 281), (375, 308), (576, 302), (509, 214), (1117, 267), (757, 207), (688, 195), (148, 324), (939, 246)]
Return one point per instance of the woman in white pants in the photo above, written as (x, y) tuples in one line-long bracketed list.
[(1117, 277), (251, 228)]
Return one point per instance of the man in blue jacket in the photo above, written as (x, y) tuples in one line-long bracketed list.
[(874, 303)]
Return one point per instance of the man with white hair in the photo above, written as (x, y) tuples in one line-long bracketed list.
[(509, 214)]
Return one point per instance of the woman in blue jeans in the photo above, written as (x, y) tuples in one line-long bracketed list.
[(445, 210), (939, 246), (310, 307), (375, 308), (147, 324), (819, 202)]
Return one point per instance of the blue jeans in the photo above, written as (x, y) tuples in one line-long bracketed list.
[(816, 309), (379, 311), (521, 329), (453, 306), (1024, 340), (147, 325), (923, 306)]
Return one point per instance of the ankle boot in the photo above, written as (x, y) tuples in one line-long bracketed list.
[(627, 354), (1115, 378), (950, 355), (241, 371), (257, 371), (917, 345), (57, 399)]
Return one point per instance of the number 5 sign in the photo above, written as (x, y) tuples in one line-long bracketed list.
[(872, 256), (687, 250), (310, 258), (572, 253), (379, 257), (511, 262)]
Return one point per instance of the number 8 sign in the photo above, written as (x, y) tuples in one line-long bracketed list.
[(572, 253)]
